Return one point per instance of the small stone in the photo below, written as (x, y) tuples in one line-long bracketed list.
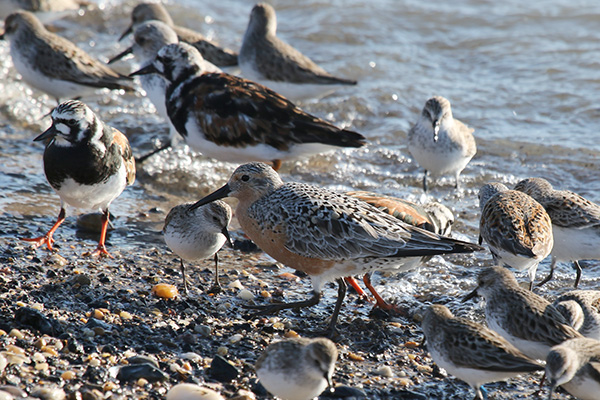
[(42, 366), (291, 334), (68, 375), (38, 357), (3, 363), (236, 285), (188, 391), (142, 382), (38, 321), (411, 345), (265, 294), (235, 338), (5, 395), (16, 334), (11, 348), (165, 291), (98, 314), (125, 315), (384, 370), (355, 357), (222, 370), (203, 330), (147, 371), (222, 351), (14, 391), (109, 386), (40, 343), (142, 360), (245, 294), (48, 393), (81, 280)]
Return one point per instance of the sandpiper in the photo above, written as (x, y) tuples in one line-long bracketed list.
[(86, 162), (198, 234), (297, 369), (516, 228), (325, 234), (575, 366), (439, 143), (144, 12), (575, 223), (53, 64), (470, 351), (266, 59), (236, 120), (581, 308), (526, 320)]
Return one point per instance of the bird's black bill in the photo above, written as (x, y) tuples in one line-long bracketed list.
[(127, 32), (127, 51), (148, 69), (470, 296), (48, 134), (226, 233), (216, 195)]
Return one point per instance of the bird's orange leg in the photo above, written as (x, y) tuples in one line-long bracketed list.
[(378, 299), (101, 249), (47, 238), (276, 164), (352, 282)]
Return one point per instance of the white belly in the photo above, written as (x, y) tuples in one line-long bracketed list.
[(576, 244)]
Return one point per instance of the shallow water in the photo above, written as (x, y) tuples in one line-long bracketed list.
[(525, 77)]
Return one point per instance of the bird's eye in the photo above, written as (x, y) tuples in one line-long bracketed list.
[(71, 122), (245, 178)]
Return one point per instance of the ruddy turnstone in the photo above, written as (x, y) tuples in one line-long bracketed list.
[(198, 234), (233, 119), (210, 51), (526, 320), (575, 223), (470, 351), (433, 217), (440, 143), (575, 366), (581, 309), (266, 59), (516, 228), (297, 369), (325, 234), (53, 64), (87, 162), (149, 37)]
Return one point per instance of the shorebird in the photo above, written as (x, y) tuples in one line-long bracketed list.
[(149, 37), (43, 8), (575, 223), (581, 309), (575, 366), (297, 369), (526, 320), (236, 120), (198, 234), (440, 143), (266, 59), (433, 217), (325, 234), (470, 351), (144, 12), (516, 228), (87, 163), (53, 64)]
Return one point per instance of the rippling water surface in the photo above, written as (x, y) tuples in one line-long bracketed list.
[(525, 77)]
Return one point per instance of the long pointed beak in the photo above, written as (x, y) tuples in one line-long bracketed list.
[(225, 232), (216, 195), (436, 129), (48, 134), (127, 32), (127, 51), (470, 296), (2, 36), (148, 69)]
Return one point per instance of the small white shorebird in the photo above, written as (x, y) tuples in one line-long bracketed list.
[(266, 59), (516, 228), (198, 234), (236, 120), (581, 309), (53, 64), (440, 143), (144, 12), (297, 369), (575, 366), (575, 223), (526, 320), (470, 351)]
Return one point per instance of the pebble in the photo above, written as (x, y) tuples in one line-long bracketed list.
[(3, 363), (235, 338), (203, 330), (38, 321), (5, 395), (236, 285), (165, 291), (222, 351), (68, 375), (48, 393), (13, 391), (222, 370), (188, 391), (245, 294), (16, 334), (125, 315), (142, 360), (135, 372), (384, 370)]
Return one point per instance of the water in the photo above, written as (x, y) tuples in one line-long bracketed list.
[(524, 76)]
